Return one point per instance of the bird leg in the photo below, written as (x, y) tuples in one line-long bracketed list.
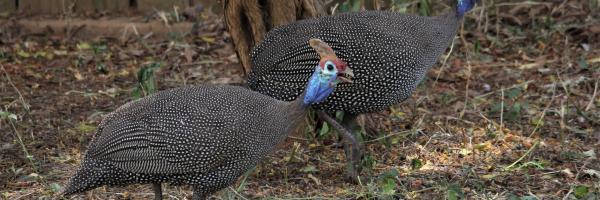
[(200, 193), (349, 123), (157, 191), (353, 153)]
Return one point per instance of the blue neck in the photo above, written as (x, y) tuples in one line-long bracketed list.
[(319, 87), (463, 6)]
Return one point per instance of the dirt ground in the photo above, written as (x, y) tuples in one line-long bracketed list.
[(512, 113)]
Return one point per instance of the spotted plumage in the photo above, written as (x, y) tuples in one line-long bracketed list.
[(204, 136), (389, 53)]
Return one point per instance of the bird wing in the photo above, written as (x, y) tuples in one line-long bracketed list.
[(167, 139)]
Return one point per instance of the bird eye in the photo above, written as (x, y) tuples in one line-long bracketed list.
[(329, 66)]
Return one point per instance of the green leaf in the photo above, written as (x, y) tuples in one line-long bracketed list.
[(528, 198), (477, 46), (55, 187), (356, 4), (344, 7), (452, 195), (99, 48), (424, 8), (324, 129), (582, 62), (339, 115), (581, 191), (8, 115), (513, 197), (136, 93), (514, 113), (101, 67), (388, 186), (84, 46), (496, 108), (454, 192), (85, 128), (368, 161), (23, 54), (309, 169), (514, 92), (532, 164), (416, 164), (146, 79), (392, 173)]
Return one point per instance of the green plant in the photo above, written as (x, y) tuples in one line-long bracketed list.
[(324, 130), (424, 8), (12, 118), (388, 182), (513, 197), (454, 192), (350, 5), (146, 80), (416, 164), (383, 186), (512, 105)]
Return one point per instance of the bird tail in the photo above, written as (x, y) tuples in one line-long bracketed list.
[(464, 6), (86, 178)]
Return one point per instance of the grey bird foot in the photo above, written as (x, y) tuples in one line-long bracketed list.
[(354, 166), (352, 148), (157, 191)]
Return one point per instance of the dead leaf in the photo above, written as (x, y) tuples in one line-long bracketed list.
[(416, 184), (595, 28), (78, 76), (124, 73), (567, 172), (592, 172), (189, 54), (136, 52), (591, 154), (315, 179), (489, 176), (208, 39)]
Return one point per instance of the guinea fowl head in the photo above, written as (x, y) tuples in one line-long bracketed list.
[(328, 73)]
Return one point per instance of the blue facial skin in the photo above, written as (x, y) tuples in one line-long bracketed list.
[(319, 86)]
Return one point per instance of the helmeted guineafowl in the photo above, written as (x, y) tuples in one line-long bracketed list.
[(389, 52), (203, 136)]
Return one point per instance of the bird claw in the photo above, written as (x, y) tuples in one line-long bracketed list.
[(354, 166)]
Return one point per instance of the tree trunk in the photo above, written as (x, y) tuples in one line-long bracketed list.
[(249, 20)]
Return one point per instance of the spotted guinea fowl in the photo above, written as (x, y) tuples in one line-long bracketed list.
[(203, 136), (389, 53)]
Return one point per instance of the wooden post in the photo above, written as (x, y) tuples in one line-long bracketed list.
[(163, 5), (111, 6), (248, 20), (7, 6), (67, 6), (46, 6)]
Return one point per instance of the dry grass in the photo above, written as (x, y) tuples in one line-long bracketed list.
[(513, 113)]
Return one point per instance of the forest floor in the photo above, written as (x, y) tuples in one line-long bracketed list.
[(512, 113)]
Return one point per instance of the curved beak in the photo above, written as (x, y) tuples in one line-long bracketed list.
[(346, 76)]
